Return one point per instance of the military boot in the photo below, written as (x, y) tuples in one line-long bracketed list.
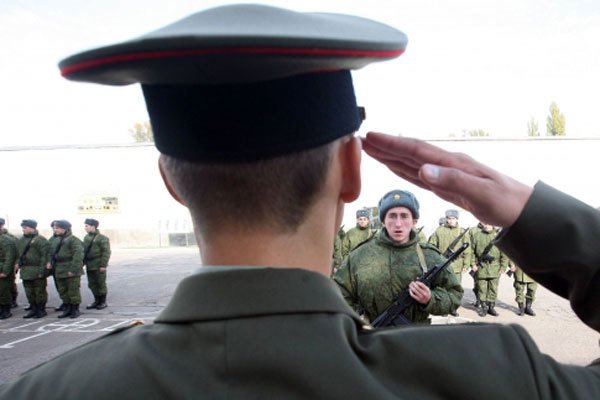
[(5, 311), (41, 310), (31, 312), (521, 309), (74, 311), (62, 307), (28, 308), (492, 308), (483, 310), (94, 304), (528, 309), (101, 302), (66, 312)]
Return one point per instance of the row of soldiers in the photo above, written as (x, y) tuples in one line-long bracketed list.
[(63, 257), (482, 260)]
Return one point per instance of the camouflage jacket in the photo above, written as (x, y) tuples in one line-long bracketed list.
[(443, 237), (495, 261), (70, 256), (34, 262), (354, 237), (99, 254), (377, 271), (8, 253), (521, 276)]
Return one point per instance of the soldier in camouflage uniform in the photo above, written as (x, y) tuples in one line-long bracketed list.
[(8, 257), (32, 254), (361, 232), (444, 238), (96, 256), (67, 251), (337, 250), (488, 263), (378, 270), (525, 289), (52, 243)]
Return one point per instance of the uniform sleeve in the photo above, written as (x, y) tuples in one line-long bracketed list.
[(77, 251), (446, 293), (44, 248), (9, 249), (566, 258), (347, 284), (345, 246), (104, 251)]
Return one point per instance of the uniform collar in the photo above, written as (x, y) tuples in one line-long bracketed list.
[(243, 293)]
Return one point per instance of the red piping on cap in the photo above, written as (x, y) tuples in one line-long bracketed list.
[(70, 69)]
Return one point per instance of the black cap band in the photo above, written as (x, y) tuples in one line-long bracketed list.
[(252, 121)]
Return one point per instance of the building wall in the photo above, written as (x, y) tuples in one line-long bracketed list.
[(53, 183)]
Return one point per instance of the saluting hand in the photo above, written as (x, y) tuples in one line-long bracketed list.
[(489, 195)]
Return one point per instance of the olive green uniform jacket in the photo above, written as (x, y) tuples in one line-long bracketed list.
[(443, 237), (495, 262), (99, 253), (69, 257), (354, 237), (34, 262), (8, 254), (289, 334), (378, 270)]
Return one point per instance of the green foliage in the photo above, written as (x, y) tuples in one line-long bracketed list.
[(142, 132), (475, 133), (555, 123), (532, 128)]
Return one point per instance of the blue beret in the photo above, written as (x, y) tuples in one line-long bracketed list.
[(398, 198), (245, 82), (61, 223), (32, 223)]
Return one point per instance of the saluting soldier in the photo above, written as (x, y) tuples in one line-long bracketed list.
[(32, 255), (525, 289), (95, 258), (66, 258), (488, 263)]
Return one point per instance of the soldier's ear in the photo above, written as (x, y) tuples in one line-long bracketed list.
[(168, 184), (350, 156)]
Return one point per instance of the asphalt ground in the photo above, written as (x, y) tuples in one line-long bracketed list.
[(141, 282)]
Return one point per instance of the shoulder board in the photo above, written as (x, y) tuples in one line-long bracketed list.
[(427, 245), (361, 243)]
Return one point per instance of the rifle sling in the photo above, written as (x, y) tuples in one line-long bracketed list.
[(25, 250)]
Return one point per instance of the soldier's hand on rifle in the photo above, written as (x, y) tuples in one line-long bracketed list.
[(513, 268), (474, 267), (420, 292), (489, 195), (48, 266)]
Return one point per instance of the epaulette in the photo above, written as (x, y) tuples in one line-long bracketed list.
[(427, 245)]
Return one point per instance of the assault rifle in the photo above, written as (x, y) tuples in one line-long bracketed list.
[(393, 314)]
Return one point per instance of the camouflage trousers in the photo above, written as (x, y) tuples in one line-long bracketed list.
[(35, 290), (6, 285), (487, 288), (69, 289), (524, 290), (97, 282)]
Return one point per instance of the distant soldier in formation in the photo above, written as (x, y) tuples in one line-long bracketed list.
[(66, 258), (488, 263), (525, 289), (378, 270), (361, 232), (449, 237), (8, 256), (96, 255), (337, 257), (32, 255)]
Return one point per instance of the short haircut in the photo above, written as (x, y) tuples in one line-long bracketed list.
[(275, 193)]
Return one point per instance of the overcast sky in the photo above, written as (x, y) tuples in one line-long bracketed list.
[(469, 64)]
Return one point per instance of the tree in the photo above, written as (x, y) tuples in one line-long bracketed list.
[(555, 123), (475, 133), (532, 128), (142, 132)]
